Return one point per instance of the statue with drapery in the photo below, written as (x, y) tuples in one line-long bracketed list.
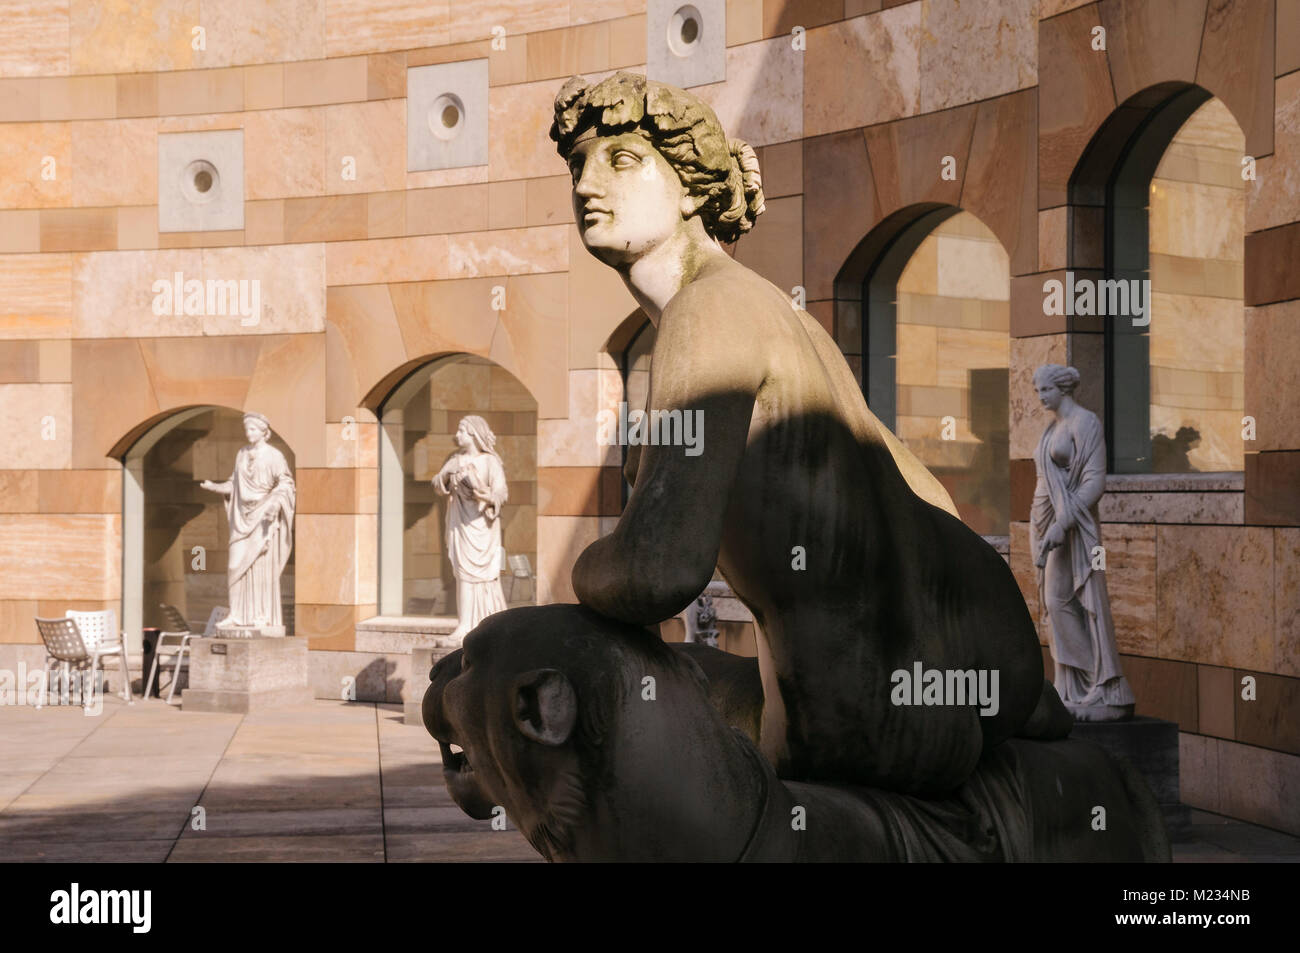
[(259, 497)]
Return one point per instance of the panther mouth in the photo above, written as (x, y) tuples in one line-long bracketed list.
[(454, 760), (462, 783)]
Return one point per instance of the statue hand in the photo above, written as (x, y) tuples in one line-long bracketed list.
[(1055, 537)]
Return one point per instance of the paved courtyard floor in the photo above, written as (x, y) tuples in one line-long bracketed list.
[(329, 781)]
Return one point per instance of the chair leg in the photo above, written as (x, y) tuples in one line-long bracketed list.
[(126, 676), (45, 684), (65, 690), (153, 675), (176, 672)]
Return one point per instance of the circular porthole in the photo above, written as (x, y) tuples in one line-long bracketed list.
[(447, 117), (200, 181), (685, 28)]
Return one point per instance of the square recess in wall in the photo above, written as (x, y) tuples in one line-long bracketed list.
[(447, 115), (686, 43), (201, 181)]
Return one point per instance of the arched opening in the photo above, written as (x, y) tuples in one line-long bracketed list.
[(419, 418), (175, 534), (1167, 169), (935, 352)]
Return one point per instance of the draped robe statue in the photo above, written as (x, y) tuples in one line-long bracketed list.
[(260, 498), (1065, 531), (474, 482)]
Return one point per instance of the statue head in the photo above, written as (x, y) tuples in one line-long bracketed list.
[(256, 427), (648, 159), (474, 431), (1053, 382), (549, 706)]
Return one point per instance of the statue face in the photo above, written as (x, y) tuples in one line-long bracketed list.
[(254, 431), (1049, 394), (463, 439), (627, 199)]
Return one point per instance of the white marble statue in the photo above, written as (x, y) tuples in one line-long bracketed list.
[(474, 482), (260, 498), (1065, 536)]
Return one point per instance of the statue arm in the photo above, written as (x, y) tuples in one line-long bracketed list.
[(1092, 485), (665, 547)]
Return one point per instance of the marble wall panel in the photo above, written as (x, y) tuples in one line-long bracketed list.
[(35, 164), (254, 31), (132, 36), (291, 279), (774, 247), (439, 317), (1235, 63), (535, 321), (519, 122), (288, 386), (474, 21), (761, 100), (35, 296), (572, 441), (113, 293), (1215, 595), (560, 540), (370, 26), (36, 426), (34, 38), (1286, 596), (1150, 42), (363, 344), (111, 394), (335, 558), (999, 182), (1131, 585), (200, 370), (1273, 198), (1074, 97), (60, 557), (80, 491), (840, 206), (881, 53), (971, 52)]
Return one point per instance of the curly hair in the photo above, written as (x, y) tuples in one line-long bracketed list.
[(1066, 379), (720, 173)]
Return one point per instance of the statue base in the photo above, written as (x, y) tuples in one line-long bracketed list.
[(422, 659), (249, 631), (247, 673), (1096, 713), (1151, 746)]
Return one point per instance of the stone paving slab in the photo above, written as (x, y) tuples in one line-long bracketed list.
[(344, 848)]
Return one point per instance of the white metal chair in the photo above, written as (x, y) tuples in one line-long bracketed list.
[(65, 643), (520, 568), (102, 638), (175, 642)]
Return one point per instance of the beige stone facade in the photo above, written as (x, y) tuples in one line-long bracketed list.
[(367, 277)]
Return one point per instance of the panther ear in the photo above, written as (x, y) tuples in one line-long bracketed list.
[(545, 706)]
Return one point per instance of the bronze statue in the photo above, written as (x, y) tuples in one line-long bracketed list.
[(603, 743), (845, 548)]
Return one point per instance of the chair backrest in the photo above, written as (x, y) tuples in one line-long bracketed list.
[(216, 615), (520, 567), (97, 628), (62, 639), (173, 621)]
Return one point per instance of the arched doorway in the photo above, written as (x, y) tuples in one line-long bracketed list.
[(932, 321), (419, 417), (1167, 170)]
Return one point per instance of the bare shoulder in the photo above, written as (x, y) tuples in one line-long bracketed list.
[(729, 297)]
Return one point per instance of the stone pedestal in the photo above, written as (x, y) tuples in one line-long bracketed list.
[(421, 661), (424, 638), (247, 674), (250, 631), (1151, 746)]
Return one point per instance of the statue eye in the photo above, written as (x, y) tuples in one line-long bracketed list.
[(625, 160)]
